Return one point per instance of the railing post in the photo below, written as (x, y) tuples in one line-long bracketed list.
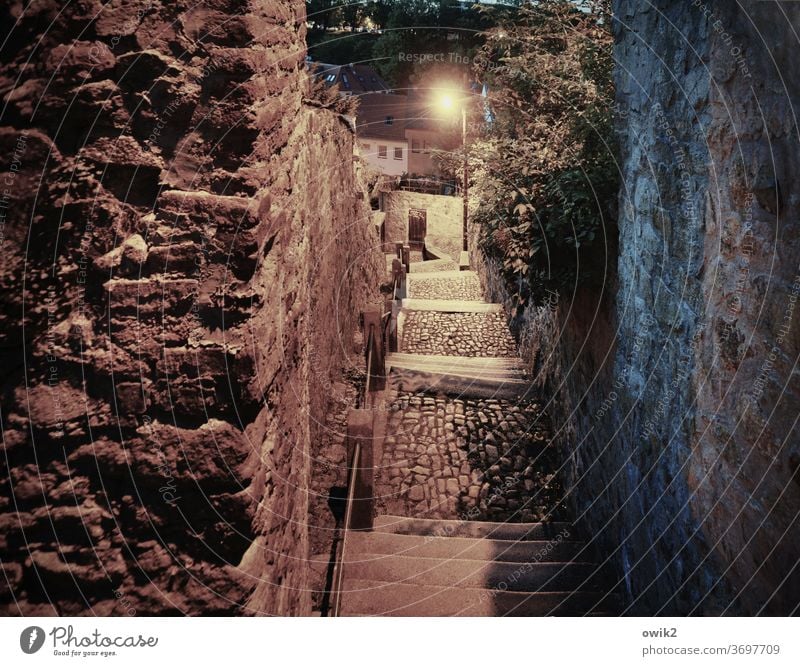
[(398, 280), (376, 364), (398, 246), (403, 284), (360, 431), (392, 308), (396, 265), (407, 257)]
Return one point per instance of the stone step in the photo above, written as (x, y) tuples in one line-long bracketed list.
[(464, 385), (477, 362), (466, 375), (468, 367), (434, 252), (488, 575), (360, 598), (471, 529), (438, 275), (435, 305), (365, 546)]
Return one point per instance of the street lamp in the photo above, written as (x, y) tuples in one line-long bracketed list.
[(448, 102)]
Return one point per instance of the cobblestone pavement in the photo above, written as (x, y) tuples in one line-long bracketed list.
[(465, 287), (434, 266), (458, 334), (467, 460)]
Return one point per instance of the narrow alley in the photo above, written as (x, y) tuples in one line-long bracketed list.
[(470, 518)]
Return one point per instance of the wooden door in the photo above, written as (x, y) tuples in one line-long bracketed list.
[(417, 227)]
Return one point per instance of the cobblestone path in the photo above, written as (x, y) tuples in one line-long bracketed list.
[(467, 459), (437, 266), (463, 457), (464, 450), (464, 287), (458, 334)]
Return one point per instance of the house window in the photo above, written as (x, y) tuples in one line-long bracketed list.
[(382, 152), (415, 146), (398, 153), (365, 147), (389, 120)]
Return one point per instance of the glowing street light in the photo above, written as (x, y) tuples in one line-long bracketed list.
[(447, 102)]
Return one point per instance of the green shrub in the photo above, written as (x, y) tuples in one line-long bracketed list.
[(544, 172)]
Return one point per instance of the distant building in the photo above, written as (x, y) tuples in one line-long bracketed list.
[(381, 131), (427, 133), (398, 134)]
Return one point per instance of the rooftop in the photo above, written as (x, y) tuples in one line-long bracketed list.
[(382, 116), (352, 79), (388, 116)]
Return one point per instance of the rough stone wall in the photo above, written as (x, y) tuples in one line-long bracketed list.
[(644, 429), (568, 346), (708, 277), (186, 247), (678, 405), (744, 468)]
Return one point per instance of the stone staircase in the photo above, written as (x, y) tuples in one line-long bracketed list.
[(450, 300), (418, 567), (464, 445)]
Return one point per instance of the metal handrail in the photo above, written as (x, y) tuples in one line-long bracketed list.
[(338, 577), (352, 477), (370, 346)]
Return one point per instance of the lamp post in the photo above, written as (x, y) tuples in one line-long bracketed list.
[(466, 175), (447, 103)]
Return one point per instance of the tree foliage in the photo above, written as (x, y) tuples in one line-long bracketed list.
[(421, 27), (408, 29), (544, 172)]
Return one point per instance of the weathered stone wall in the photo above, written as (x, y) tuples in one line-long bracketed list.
[(744, 468), (444, 218), (186, 247), (641, 426), (678, 405), (708, 276)]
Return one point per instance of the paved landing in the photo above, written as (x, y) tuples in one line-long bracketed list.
[(466, 459), (457, 334), (450, 285), (433, 265)]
